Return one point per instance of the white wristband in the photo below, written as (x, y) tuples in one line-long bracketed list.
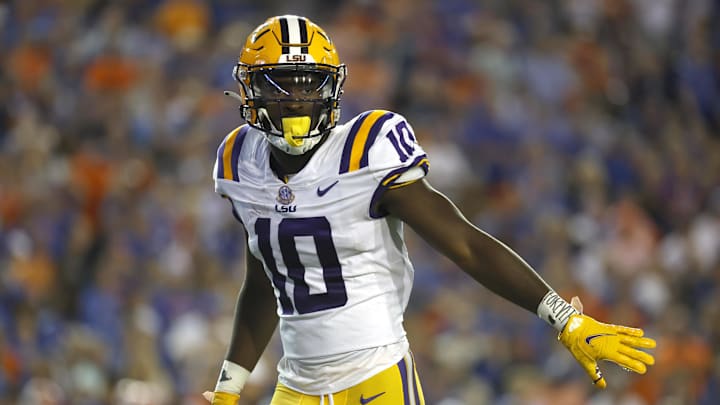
[(554, 310), (232, 378)]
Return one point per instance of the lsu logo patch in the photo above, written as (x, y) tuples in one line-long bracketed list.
[(285, 198), (285, 195)]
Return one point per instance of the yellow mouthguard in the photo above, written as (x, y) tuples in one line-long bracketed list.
[(295, 126)]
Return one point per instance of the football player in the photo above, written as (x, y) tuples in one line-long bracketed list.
[(323, 205)]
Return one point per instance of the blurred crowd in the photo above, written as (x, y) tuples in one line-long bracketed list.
[(583, 133)]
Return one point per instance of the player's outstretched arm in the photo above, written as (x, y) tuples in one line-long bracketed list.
[(438, 221), (255, 321)]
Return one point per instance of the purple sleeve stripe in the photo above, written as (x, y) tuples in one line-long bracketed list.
[(220, 164), (371, 137), (345, 161), (237, 147), (389, 180)]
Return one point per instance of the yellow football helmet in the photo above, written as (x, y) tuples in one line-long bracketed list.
[(290, 80)]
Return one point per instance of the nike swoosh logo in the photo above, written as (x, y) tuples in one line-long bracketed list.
[(322, 191), (224, 376), (591, 337), (364, 401)]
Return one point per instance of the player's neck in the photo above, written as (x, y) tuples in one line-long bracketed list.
[(283, 164)]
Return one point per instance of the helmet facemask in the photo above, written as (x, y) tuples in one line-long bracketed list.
[(293, 104)]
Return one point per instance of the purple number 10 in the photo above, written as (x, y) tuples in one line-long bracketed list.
[(289, 228), (403, 140)]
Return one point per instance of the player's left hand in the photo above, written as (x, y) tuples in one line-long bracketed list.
[(590, 341), (221, 398)]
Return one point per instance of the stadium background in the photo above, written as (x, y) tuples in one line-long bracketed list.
[(584, 133)]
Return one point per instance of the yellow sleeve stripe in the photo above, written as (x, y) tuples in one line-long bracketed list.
[(229, 152), (390, 179), (361, 139)]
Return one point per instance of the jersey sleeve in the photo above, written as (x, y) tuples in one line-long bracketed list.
[(226, 161), (395, 158)]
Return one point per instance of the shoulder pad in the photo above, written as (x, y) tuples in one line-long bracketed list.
[(361, 137)]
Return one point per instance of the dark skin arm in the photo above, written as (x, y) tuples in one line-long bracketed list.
[(439, 222), (255, 315)]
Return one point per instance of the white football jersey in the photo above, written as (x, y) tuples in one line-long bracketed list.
[(338, 265)]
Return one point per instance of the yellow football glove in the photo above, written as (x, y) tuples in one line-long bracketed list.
[(590, 341), (222, 398)]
